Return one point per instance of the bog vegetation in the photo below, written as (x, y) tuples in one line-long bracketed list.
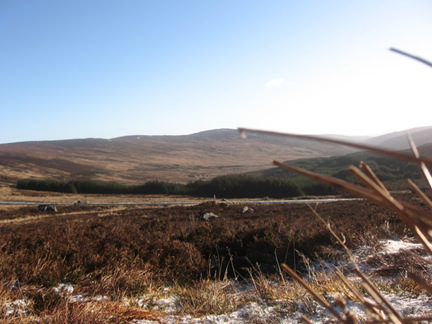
[(127, 252)]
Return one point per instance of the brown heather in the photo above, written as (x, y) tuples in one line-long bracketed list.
[(133, 251)]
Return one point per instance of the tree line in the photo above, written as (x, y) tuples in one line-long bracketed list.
[(227, 186)]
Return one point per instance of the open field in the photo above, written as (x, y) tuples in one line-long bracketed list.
[(128, 252)]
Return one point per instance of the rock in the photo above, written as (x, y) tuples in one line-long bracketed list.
[(80, 203), (246, 209), (47, 208), (209, 216), (51, 208)]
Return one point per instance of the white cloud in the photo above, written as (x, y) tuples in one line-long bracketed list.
[(275, 83)]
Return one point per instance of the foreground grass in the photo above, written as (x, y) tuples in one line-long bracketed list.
[(205, 297), (133, 253), (83, 248)]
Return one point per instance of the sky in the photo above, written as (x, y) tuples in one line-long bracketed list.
[(104, 69)]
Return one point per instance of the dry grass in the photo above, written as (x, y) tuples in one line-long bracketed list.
[(135, 251), (211, 297), (37, 304), (165, 241)]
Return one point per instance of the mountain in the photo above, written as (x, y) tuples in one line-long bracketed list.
[(399, 140), (138, 159)]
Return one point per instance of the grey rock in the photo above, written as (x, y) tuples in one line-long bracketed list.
[(247, 209), (209, 216), (47, 208)]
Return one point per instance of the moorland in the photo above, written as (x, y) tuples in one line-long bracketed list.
[(134, 160), (125, 253), (113, 264)]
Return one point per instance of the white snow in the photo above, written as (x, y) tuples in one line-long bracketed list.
[(68, 289), (396, 246), (16, 307), (406, 304), (411, 305), (315, 312), (64, 287), (168, 305), (79, 298), (244, 314), (281, 311)]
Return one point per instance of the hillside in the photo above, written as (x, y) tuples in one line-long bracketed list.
[(391, 171), (399, 141), (137, 159)]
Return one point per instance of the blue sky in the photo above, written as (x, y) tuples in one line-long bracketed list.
[(77, 69)]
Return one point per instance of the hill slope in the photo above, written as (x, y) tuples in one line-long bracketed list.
[(137, 159), (391, 171), (399, 140)]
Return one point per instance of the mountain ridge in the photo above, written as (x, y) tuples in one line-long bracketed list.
[(136, 159)]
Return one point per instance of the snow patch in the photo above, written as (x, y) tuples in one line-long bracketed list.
[(396, 246), (169, 305), (64, 288), (245, 314), (16, 307)]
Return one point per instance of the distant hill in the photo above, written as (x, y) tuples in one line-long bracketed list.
[(138, 159), (399, 140)]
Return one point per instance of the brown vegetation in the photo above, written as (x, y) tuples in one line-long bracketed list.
[(131, 250), (138, 159)]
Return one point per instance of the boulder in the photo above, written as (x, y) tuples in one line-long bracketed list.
[(247, 209), (209, 216), (47, 208)]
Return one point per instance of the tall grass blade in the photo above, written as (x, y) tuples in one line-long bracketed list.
[(317, 296), (394, 315), (420, 193), (369, 172), (417, 58), (423, 167)]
